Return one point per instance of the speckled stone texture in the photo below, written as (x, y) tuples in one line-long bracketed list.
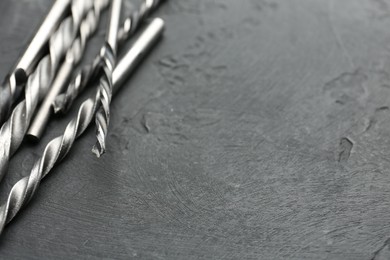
[(257, 129)]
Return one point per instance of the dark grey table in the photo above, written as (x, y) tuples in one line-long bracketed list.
[(257, 129)]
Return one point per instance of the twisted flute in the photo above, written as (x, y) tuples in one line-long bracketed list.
[(56, 150), (64, 101), (102, 118), (14, 129), (86, 29), (108, 59)]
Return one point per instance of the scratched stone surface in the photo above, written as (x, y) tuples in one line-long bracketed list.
[(257, 129)]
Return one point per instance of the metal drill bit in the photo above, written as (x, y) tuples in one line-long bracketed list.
[(73, 57), (14, 82), (56, 150), (64, 101), (14, 129), (108, 60)]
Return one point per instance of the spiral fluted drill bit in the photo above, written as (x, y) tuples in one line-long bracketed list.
[(14, 129), (14, 82), (108, 59), (102, 118), (74, 55), (64, 101), (56, 150)]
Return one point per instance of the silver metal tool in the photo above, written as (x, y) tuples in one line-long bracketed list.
[(56, 150), (64, 101), (108, 60), (73, 57), (14, 129), (13, 84)]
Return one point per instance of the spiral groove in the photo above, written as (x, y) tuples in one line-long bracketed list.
[(55, 151)]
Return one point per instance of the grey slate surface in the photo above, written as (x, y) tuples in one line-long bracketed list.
[(257, 129)]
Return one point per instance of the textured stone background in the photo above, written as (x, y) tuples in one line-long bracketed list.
[(258, 129)]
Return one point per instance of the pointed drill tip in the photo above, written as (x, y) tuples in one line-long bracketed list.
[(59, 104), (98, 150)]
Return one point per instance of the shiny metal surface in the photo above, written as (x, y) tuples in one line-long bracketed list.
[(56, 150), (13, 84), (137, 52), (30, 57), (42, 117), (108, 60), (14, 129), (113, 25), (73, 57), (64, 101)]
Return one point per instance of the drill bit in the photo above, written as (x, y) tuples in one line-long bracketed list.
[(56, 150), (14, 82), (102, 118), (108, 60), (64, 101), (73, 57), (14, 129)]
